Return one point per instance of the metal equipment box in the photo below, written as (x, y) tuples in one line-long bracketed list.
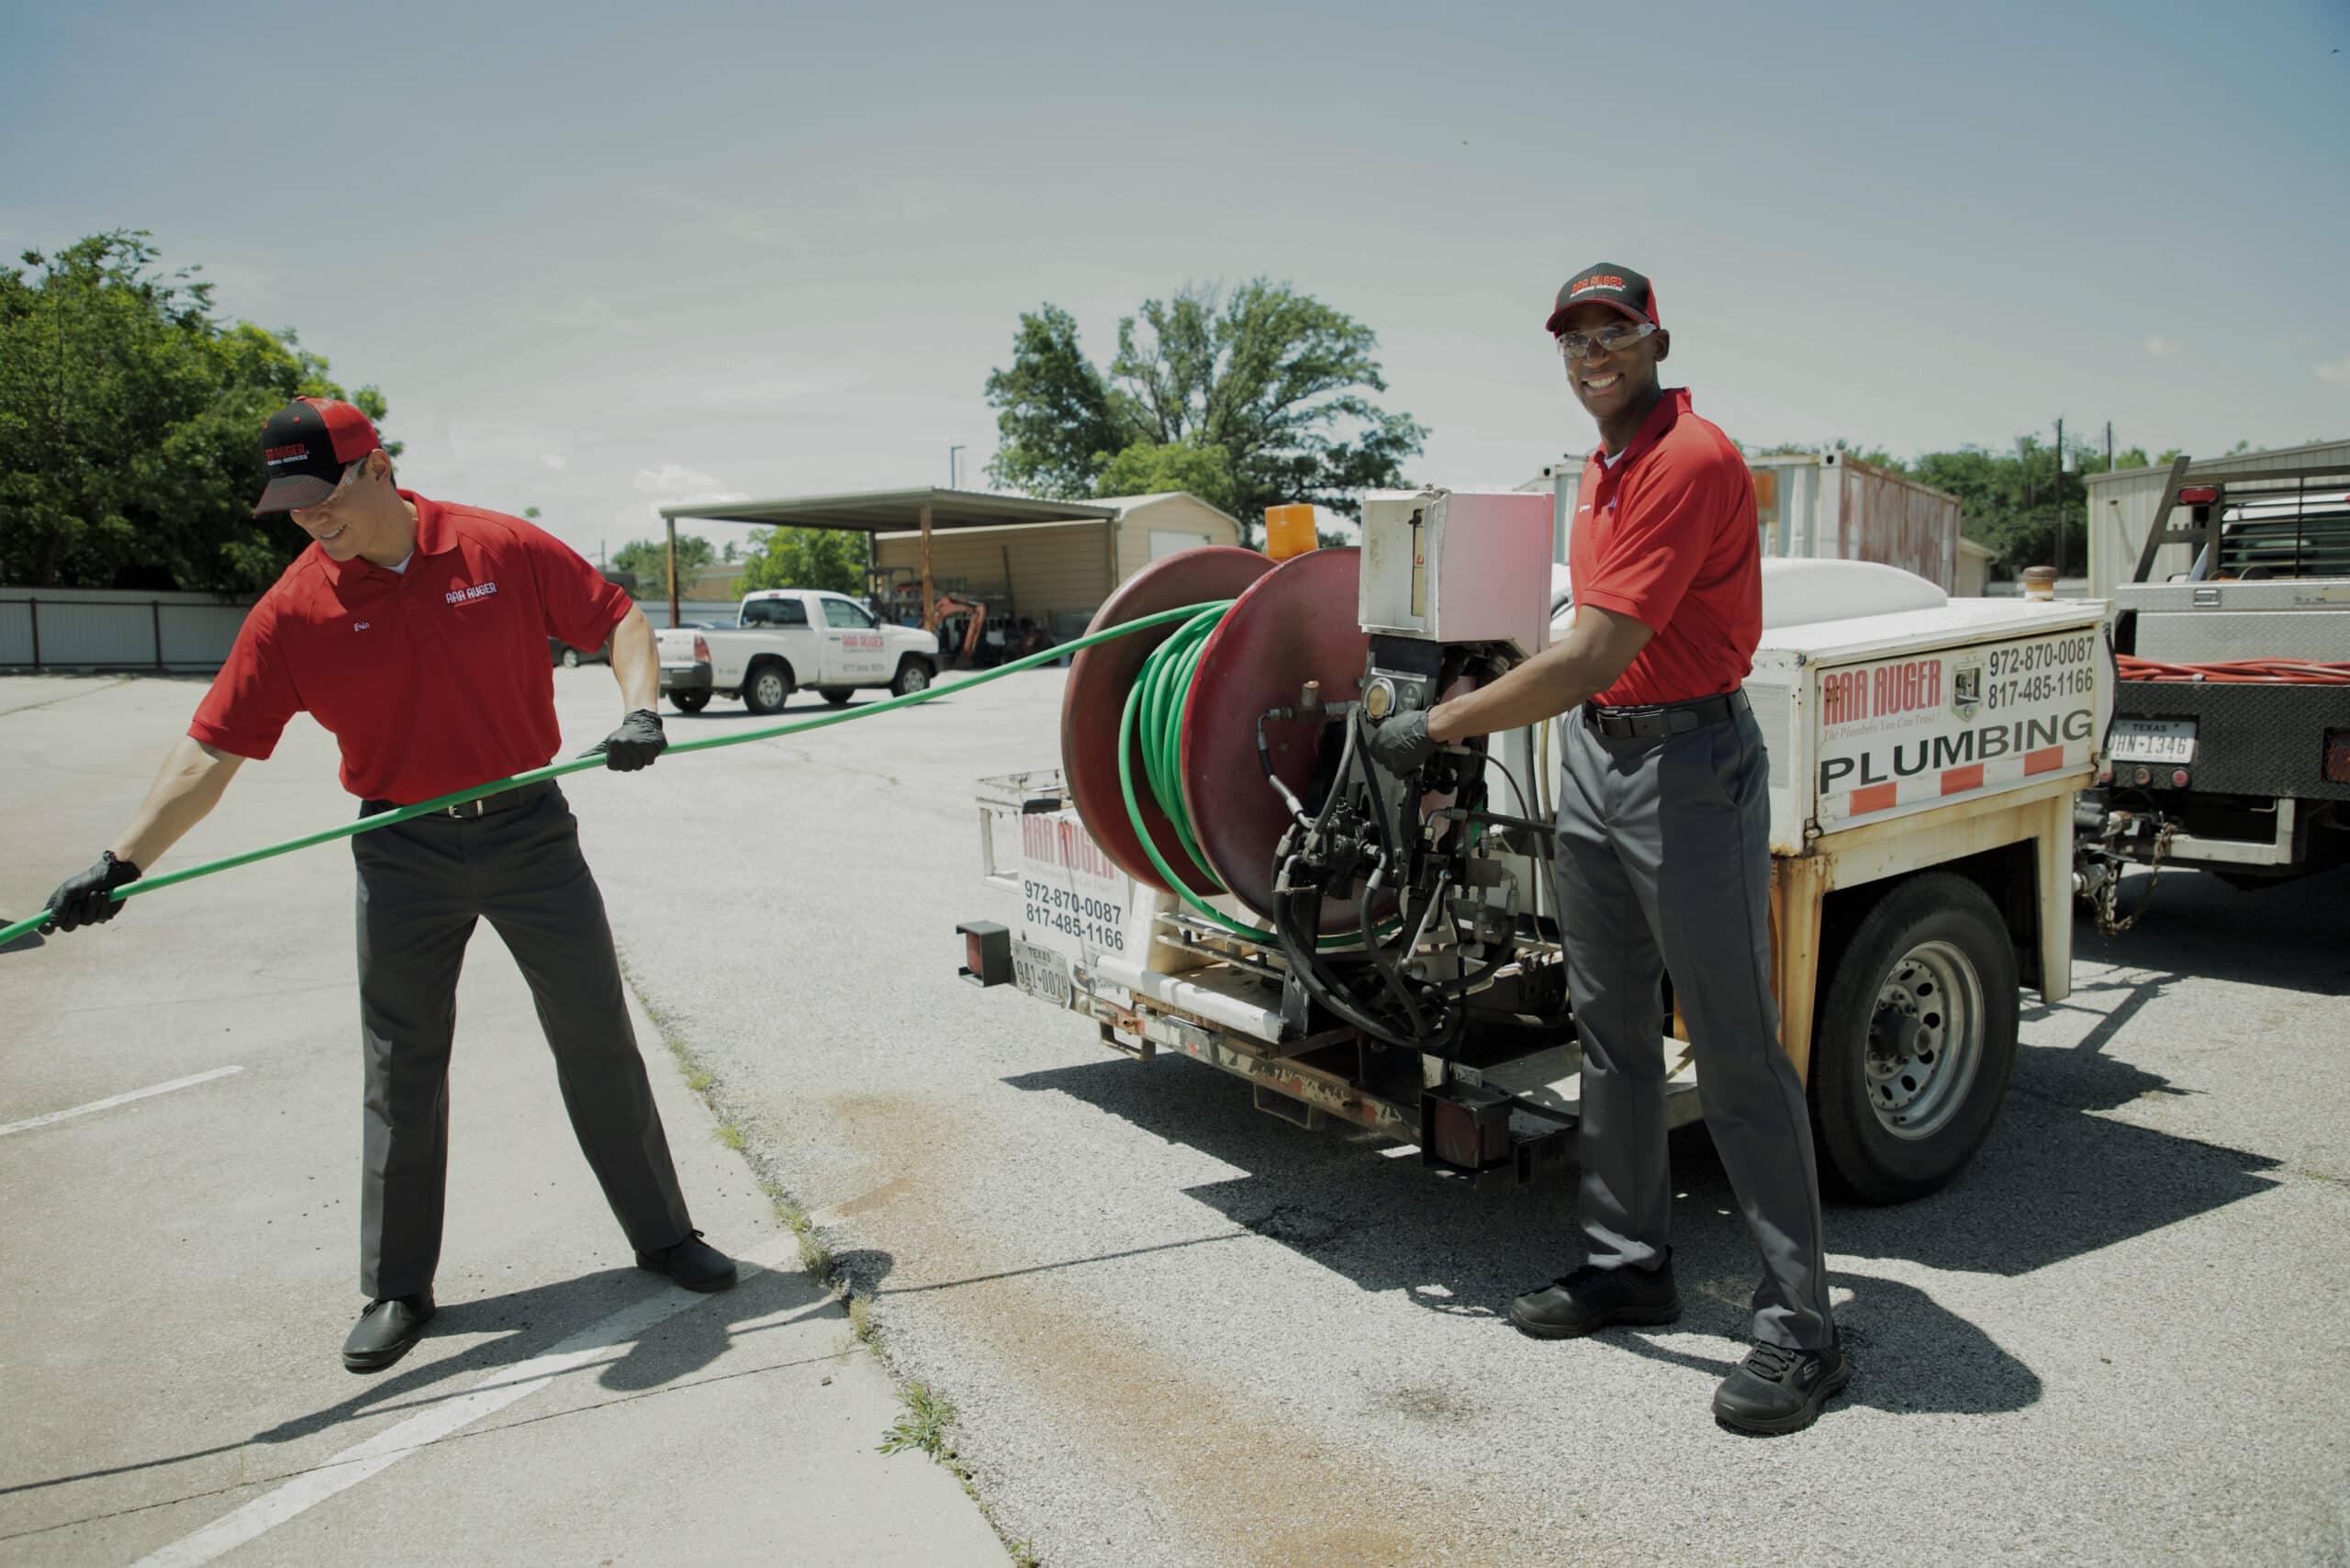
[(1457, 566)]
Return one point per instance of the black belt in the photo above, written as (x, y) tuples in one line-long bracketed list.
[(504, 800), (1664, 718)]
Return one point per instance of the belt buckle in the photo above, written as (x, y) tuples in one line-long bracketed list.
[(458, 811)]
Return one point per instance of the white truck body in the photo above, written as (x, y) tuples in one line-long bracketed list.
[(793, 639)]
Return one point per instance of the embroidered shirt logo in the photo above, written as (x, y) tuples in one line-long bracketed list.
[(361, 625), (467, 595)]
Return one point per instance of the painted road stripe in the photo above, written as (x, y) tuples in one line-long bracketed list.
[(388, 1446), (108, 1104)]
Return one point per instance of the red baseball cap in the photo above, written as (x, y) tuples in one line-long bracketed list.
[(306, 445), (1606, 283)]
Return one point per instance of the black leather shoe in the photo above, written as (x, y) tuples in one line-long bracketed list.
[(1592, 1298), (388, 1330), (693, 1263), (1777, 1390)]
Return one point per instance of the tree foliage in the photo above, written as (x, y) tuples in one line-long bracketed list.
[(822, 558), (2016, 501), (648, 559), (1265, 389), (130, 418)]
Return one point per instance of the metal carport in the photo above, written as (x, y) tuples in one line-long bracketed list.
[(883, 511)]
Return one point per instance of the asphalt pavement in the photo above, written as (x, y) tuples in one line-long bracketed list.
[(1181, 1331), (1177, 1331), (179, 1140)]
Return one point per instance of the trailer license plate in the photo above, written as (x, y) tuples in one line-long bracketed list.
[(1041, 972), (2152, 740)]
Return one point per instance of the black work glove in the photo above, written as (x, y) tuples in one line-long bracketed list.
[(635, 743), (1400, 743), (84, 900)]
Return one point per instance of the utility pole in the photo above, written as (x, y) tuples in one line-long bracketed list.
[(2109, 446), (673, 569), (951, 471), (2060, 497)]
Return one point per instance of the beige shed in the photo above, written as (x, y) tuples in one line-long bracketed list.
[(1057, 574)]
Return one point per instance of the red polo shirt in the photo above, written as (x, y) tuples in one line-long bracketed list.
[(433, 679), (1667, 535)]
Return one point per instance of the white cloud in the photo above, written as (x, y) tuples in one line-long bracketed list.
[(2339, 371), (555, 464), (674, 479), (2160, 348)]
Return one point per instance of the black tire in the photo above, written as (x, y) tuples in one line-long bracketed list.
[(1915, 1039), (914, 675), (571, 659), (835, 696), (690, 701), (767, 687)]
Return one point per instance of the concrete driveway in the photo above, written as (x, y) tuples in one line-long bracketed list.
[(182, 1265), (1183, 1332)]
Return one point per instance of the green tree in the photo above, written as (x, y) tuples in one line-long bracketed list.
[(129, 413), (1148, 468), (1272, 380), (826, 558), (648, 559)]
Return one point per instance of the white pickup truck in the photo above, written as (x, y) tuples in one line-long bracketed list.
[(787, 639)]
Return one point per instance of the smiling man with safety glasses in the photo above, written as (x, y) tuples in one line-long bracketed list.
[(1663, 860)]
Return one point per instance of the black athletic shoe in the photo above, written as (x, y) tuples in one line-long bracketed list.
[(693, 1263), (1592, 1298), (388, 1330), (1777, 1390)]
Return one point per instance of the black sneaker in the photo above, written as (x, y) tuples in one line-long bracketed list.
[(1592, 1298), (693, 1263), (388, 1330), (1777, 1390)]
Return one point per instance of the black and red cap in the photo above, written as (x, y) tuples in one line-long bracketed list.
[(1606, 283), (306, 446)]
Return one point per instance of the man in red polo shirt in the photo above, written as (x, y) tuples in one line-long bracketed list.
[(415, 632), (1663, 858)]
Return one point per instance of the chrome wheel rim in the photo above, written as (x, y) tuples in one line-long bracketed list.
[(1925, 1042), (770, 689), (913, 680)]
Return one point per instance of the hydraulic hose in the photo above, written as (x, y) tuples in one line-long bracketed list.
[(595, 760)]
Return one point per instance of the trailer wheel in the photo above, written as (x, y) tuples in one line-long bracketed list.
[(767, 688), (1915, 1040)]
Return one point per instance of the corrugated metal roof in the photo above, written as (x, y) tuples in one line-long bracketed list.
[(884, 511), (2310, 455), (1128, 503)]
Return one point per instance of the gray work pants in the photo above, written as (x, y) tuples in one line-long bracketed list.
[(1663, 864), (422, 885)]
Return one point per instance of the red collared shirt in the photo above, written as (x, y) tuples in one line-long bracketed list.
[(1667, 535), (433, 680)]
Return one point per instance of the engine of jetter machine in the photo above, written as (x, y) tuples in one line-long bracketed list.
[(1445, 882)]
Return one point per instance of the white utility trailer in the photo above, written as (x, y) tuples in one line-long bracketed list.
[(1925, 754)]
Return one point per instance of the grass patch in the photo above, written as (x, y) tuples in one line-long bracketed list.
[(697, 1079), (731, 1136), (860, 1318), (923, 1426)]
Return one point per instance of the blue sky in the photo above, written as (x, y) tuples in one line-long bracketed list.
[(599, 256)]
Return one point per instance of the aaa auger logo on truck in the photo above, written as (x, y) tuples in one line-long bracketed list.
[(1913, 731)]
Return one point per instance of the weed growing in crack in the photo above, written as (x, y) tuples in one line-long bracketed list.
[(923, 1426)]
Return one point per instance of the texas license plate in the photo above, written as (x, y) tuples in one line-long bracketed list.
[(1041, 972), (2152, 740)]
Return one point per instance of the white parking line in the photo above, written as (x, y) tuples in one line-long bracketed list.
[(110, 1102), (388, 1446)]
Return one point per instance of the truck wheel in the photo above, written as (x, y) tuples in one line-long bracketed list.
[(838, 696), (690, 701), (571, 659), (1915, 1039), (912, 676), (767, 688)]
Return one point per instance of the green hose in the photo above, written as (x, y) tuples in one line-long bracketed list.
[(581, 764)]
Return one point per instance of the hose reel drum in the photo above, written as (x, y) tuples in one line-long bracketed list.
[(1227, 764)]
